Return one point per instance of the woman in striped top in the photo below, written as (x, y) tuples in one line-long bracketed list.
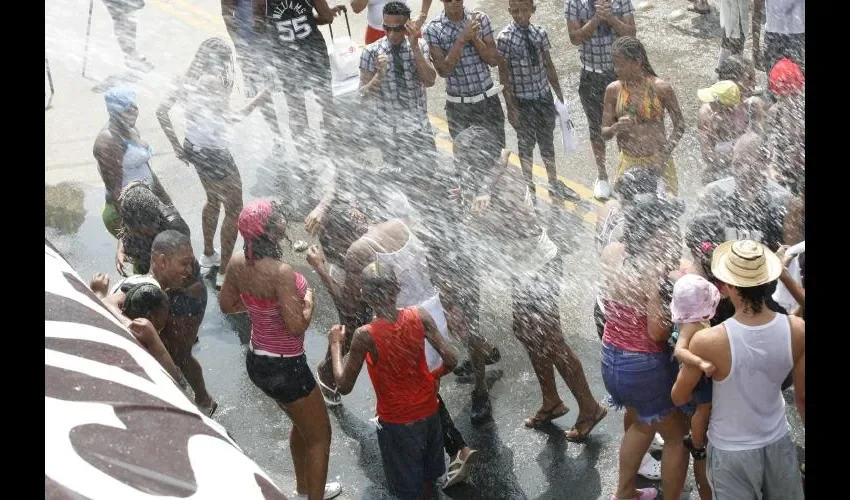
[(281, 307)]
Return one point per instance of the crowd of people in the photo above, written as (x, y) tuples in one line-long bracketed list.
[(402, 250)]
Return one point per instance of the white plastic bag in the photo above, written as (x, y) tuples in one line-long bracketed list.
[(567, 133), (345, 59)]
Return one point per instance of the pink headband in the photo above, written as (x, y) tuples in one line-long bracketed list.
[(252, 223)]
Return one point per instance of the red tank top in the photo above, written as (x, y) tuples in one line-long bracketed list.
[(405, 389)]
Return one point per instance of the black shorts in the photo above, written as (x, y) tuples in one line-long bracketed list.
[(182, 304), (211, 164), (412, 454), (779, 45), (536, 298), (285, 380), (591, 92), (487, 113), (304, 66), (536, 126)]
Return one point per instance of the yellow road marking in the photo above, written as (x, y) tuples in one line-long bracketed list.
[(205, 21)]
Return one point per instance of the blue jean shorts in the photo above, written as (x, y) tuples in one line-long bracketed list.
[(639, 380)]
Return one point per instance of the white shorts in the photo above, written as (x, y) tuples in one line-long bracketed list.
[(435, 309)]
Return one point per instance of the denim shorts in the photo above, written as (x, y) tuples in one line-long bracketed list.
[(639, 380), (412, 454)]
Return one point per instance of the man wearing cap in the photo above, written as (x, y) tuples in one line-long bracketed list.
[(593, 26), (784, 32), (750, 450), (722, 119)]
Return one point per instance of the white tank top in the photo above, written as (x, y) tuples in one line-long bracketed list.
[(375, 13), (411, 268), (136, 164), (205, 126), (785, 16), (748, 410)]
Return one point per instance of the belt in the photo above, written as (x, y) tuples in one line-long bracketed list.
[(260, 352), (594, 70), (495, 89)]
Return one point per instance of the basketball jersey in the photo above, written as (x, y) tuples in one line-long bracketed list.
[(291, 21)]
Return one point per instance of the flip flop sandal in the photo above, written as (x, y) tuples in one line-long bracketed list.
[(331, 396), (650, 468), (576, 436), (643, 494), (544, 417), (459, 469)]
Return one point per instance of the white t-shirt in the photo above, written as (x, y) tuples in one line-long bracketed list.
[(375, 13), (785, 16)]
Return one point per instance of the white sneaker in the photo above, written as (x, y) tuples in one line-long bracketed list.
[(657, 443), (650, 468), (332, 490), (601, 189), (210, 260), (219, 280)]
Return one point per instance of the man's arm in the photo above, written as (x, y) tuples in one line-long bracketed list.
[(580, 33), (484, 44), (424, 68), (552, 74), (689, 376), (445, 63), (432, 334), (372, 70), (358, 256), (359, 5), (798, 348), (623, 22), (758, 19), (348, 369)]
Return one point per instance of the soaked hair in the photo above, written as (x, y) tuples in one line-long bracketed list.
[(756, 298), (397, 9), (637, 180), (632, 49), (141, 207), (142, 300), (338, 232), (264, 245), (170, 241), (213, 56), (705, 232), (647, 214), (380, 285)]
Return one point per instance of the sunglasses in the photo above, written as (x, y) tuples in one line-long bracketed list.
[(400, 28)]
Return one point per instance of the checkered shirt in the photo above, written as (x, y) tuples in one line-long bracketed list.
[(528, 80), (471, 75), (595, 53), (392, 105)]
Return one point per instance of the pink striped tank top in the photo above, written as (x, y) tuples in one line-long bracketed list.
[(627, 329), (268, 333)]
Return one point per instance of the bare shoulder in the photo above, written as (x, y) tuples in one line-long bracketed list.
[(613, 87), (612, 252), (798, 326), (708, 340)]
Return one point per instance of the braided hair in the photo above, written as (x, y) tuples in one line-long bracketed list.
[(632, 49), (214, 56)]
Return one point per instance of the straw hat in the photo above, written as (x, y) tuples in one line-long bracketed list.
[(745, 264)]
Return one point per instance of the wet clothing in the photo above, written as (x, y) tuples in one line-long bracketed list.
[(626, 328), (405, 390), (135, 165), (412, 454), (748, 409), (111, 219), (785, 32), (595, 53), (487, 113), (537, 118), (212, 165), (768, 473), (669, 174), (639, 380), (401, 104), (523, 49), (268, 331), (284, 379), (759, 219), (591, 93), (649, 108)]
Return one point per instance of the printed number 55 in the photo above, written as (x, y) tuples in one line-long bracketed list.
[(292, 29)]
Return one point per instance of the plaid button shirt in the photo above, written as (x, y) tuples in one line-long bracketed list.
[(471, 75), (595, 53), (399, 107), (528, 80)]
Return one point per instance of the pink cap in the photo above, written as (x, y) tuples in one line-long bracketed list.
[(695, 299)]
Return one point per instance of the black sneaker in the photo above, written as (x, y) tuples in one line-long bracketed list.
[(480, 407), (465, 369)]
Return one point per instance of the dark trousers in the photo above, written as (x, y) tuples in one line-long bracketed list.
[(487, 113), (452, 440)]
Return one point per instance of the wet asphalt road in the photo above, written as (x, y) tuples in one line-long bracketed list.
[(515, 462)]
